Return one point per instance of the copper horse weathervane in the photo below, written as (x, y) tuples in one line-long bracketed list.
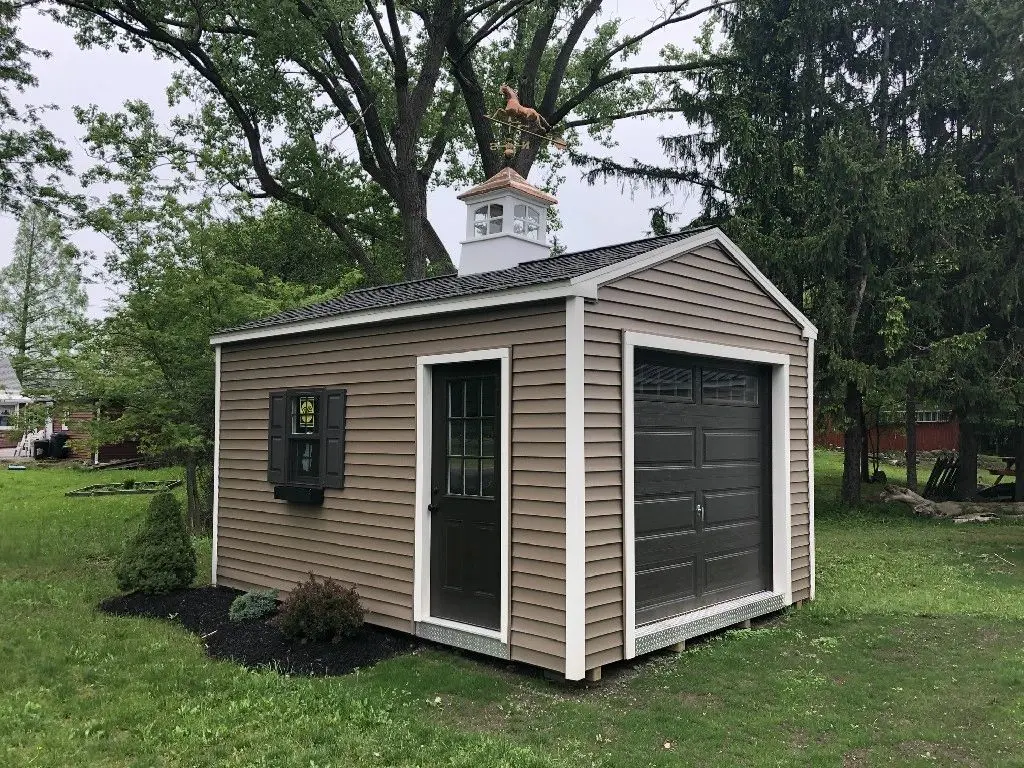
[(518, 119)]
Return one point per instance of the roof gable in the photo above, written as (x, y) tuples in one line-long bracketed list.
[(9, 382)]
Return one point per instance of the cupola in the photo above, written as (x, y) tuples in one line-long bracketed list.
[(506, 223)]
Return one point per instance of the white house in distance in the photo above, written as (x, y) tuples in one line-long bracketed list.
[(566, 461), (11, 402)]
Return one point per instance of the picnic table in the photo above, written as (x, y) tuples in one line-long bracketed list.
[(1007, 470)]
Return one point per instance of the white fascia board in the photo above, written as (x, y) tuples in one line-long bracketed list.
[(593, 280), (547, 292)]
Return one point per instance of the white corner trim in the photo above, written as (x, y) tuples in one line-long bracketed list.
[(575, 495), (216, 460), (810, 460), (547, 292), (421, 541), (593, 280), (782, 577)]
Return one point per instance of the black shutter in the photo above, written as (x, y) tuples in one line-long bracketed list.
[(333, 438), (277, 438)]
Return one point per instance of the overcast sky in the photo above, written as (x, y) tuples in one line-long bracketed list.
[(591, 215)]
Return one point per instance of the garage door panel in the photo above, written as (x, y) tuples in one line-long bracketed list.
[(676, 448), (722, 571), (731, 504), (662, 481), (666, 610), (655, 516), (677, 582), (722, 539), (666, 551), (729, 446), (650, 418)]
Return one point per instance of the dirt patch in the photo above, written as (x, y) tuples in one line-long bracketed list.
[(856, 758), (204, 612), (943, 753)]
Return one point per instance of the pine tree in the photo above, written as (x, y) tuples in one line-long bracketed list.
[(42, 297)]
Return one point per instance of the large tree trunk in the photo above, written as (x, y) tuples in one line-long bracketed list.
[(422, 244), (852, 445), (1018, 452), (967, 477), (911, 415)]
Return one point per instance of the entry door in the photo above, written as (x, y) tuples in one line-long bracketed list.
[(465, 530), (702, 482)]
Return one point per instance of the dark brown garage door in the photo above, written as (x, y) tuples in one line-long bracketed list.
[(702, 482)]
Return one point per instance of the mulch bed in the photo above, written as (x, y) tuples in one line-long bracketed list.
[(204, 611)]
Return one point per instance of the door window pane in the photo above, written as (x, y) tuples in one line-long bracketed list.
[(728, 387), (455, 437), (487, 478), (487, 438), (472, 437), (455, 397), (652, 378), (473, 397), (472, 483), (455, 476)]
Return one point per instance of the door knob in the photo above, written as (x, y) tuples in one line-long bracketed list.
[(432, 507)]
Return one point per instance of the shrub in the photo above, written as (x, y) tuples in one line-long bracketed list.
[(159, 557), (129, 483), (321, 611), (256, 604)]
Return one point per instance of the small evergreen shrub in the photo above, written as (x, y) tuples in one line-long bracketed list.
[(159, 557), (256, 604), (321, 611)]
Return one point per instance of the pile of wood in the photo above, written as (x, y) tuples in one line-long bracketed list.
[(958, 512)]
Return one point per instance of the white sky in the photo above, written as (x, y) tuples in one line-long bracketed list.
[(591, 215)]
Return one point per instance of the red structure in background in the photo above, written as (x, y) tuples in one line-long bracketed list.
[(76, 429), (931, 436)]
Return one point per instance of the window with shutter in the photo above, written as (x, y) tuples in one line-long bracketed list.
[(306, 438)]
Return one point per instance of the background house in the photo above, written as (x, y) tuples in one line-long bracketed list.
[(12, 400)]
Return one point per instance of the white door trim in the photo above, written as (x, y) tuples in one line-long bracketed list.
[(421, 547), (781, 524)]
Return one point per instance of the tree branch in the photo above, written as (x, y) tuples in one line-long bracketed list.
[(561, 65), (623, 116)]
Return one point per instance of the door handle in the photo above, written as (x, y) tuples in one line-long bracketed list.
[(432, 507), (700, 512)]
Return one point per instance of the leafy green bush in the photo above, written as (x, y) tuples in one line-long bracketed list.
[(159, 558), (255, 604), (321, 611)]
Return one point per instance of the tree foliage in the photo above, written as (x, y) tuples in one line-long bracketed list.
[(42, 298), (326, 105)]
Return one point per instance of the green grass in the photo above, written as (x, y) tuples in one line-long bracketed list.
[(913, 654)]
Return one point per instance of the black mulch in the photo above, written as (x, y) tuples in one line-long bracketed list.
[(204, 611)]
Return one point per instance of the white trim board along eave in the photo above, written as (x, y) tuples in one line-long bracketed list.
[(545, 292), (585, 286)]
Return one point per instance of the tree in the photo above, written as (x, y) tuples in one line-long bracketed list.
[(288, 91), (27, 147), (42, 297), (811, 156)]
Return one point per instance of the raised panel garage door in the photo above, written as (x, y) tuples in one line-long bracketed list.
[(702, 456)]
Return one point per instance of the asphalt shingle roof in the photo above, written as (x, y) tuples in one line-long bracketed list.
[(542, 271), (8, 378)]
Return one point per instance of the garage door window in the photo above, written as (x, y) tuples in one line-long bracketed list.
[(728, 387), (654, 378)]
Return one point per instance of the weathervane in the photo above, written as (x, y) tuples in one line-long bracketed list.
[(517, 120)]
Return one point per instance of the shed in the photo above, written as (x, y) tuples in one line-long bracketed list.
[(561, 460)]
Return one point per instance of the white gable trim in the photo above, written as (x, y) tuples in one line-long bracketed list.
[(593, 280)]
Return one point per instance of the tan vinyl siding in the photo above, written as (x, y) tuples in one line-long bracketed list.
[(364, 534), (703, 296)]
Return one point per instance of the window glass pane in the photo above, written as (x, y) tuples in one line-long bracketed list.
[(487, 404), (520, 211), (533, 215), (304, 460), (728, 387), (455, 442), (473, 397), (480, 221), (532, 231), (487, 478), (472, 437), (455, 476), (651, 378), (497, 211), (495, 227), (487, 438), (480, 229), (304, 415), (472, 487), (519, 227), (455, 395)]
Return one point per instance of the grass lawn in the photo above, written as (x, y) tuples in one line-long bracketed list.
[(913, 654)]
